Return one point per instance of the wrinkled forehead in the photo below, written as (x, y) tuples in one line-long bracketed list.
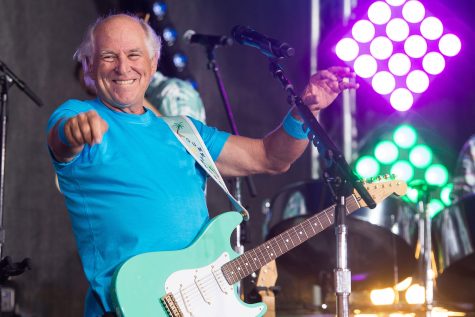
[(119, 34)]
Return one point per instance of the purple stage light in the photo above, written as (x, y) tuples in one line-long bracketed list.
[(399, 64), (365, 66), (379, 12), (431, 28), (433, 63), (383, 83), (397, 30), (413, 11), (402, 39), (401, 99), (381, 48), (450, 45), (347, 49), (395, 3), (363, 31), (417, 81), (415, 46)]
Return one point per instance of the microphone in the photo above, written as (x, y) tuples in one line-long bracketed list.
[(270, 47), (207, 40)]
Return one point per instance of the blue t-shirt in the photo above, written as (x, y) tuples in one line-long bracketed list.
[(137, 191)]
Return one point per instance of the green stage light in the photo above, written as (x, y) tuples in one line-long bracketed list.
[(434, 207), (367, 166), (437, 174), (405, 136), (421, 156), (412, 194), (403, 170), (445, 194), (386, 152)]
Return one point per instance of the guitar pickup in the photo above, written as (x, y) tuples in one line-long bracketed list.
[(171, 305)]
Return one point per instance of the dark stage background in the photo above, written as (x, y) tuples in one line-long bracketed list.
[(37, 41)]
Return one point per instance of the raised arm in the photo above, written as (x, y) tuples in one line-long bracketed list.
[(276, 152)]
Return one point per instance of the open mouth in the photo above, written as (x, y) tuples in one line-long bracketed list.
[(124, 82)]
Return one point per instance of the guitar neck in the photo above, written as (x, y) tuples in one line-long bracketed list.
[(254, 259)]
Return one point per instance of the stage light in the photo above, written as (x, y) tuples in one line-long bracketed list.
[(415, 46), (381, 48), (399, 64), (385, 296), (386, 152), (431, 28), (420, 156), (433, 63), (379, 13), (383, 83), (159, 9), (401, 99), (401, 286), (367, 167), (363, 31), (446, 193), (403, 170), (405, 35), (417, 81), (450, 45), (397, 30), (434, 207), (169, 35), (396, 3), (413, 11), (405, 136), (436, 174), (412, 194), (347, 49), (179, 60), (365, 66), (415, 294)]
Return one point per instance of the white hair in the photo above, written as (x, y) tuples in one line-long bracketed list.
[(85, 51)]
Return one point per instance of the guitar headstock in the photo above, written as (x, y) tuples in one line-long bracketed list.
[(381, 187), (267, 275)]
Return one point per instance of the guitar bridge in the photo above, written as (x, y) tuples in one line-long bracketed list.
[(171, 305)]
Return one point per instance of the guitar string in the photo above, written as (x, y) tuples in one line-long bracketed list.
[(306, 225), (205, 281)]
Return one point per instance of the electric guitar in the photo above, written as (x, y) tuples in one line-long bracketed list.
[(199, 281)]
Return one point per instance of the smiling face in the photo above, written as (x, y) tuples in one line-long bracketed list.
[(121, 65)]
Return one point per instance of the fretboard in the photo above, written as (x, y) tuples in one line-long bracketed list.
[(252, 260)]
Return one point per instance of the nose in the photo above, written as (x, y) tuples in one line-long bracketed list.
[(123, 66)]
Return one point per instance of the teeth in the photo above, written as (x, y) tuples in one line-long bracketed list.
[(124, 82)]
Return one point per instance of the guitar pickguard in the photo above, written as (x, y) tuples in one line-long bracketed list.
[(205, 292)]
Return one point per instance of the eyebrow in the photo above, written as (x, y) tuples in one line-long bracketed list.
[(134, 50)]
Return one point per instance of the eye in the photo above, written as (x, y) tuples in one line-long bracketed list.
[(134, 56), (108, 58)]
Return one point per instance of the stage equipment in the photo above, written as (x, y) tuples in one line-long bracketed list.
[(338, 175), (8, 79), (399, 47), (402, 150), (381, 244), (454, 247), (210, 46)]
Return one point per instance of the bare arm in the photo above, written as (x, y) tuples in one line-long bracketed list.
[(276, 152), (84, 128)]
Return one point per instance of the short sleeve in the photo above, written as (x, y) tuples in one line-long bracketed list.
[(213, 138)]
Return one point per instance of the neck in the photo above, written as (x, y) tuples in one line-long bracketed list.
[(132, 109)]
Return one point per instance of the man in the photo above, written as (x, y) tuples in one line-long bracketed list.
[(130, 186)]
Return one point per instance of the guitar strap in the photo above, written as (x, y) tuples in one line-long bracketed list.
[(186, 133)]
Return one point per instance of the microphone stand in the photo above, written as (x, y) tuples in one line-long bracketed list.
[(241, 232), (341, 179), (8, 79)]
